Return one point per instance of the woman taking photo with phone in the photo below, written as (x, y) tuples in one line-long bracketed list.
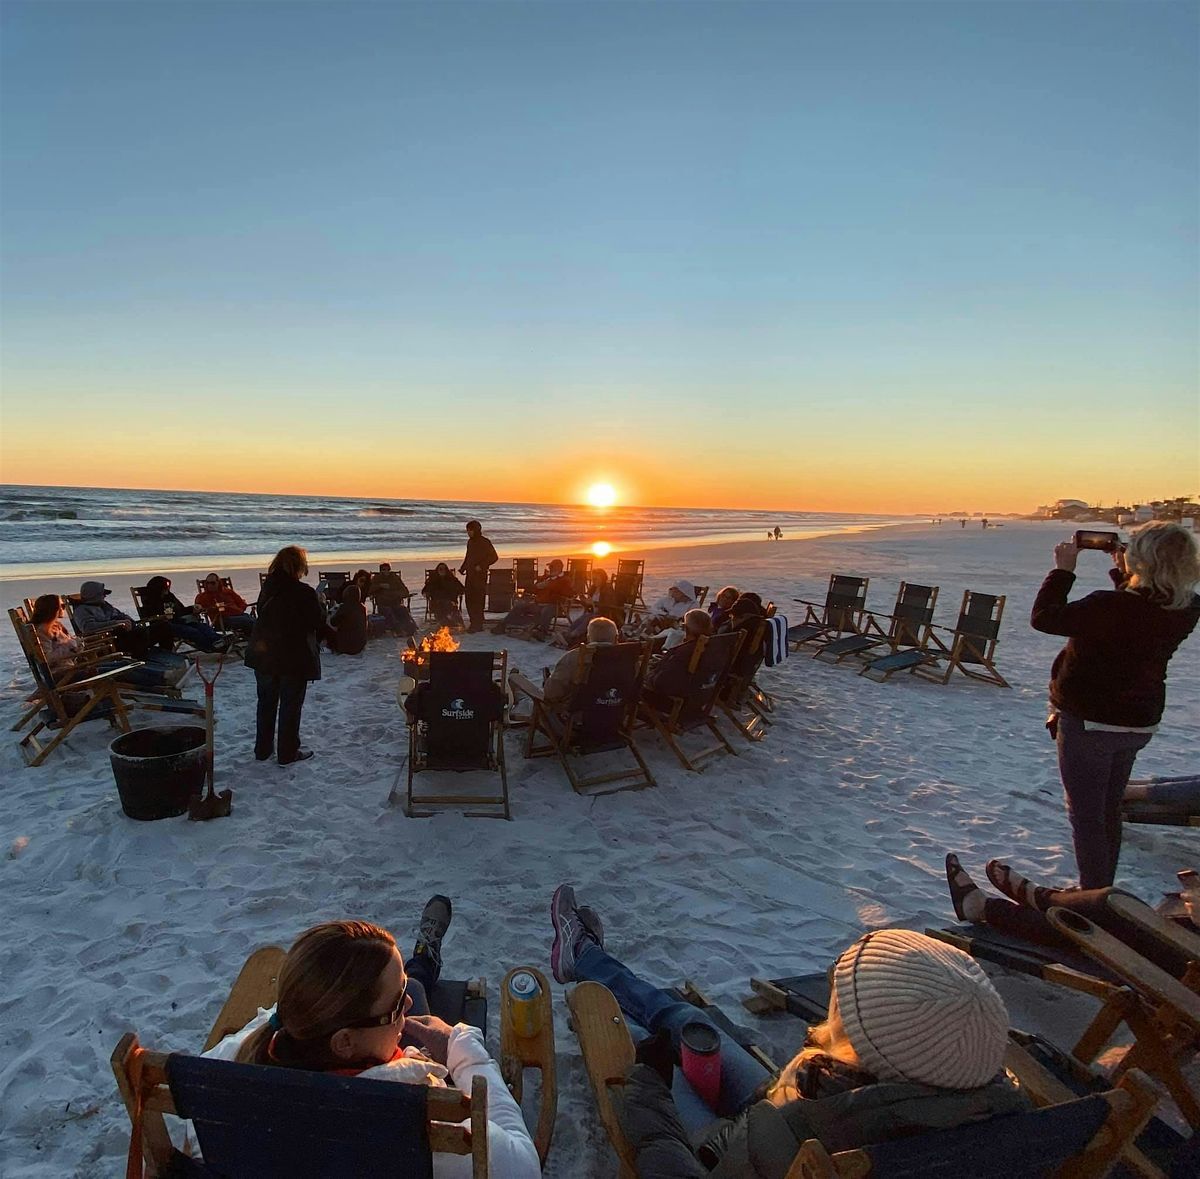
[(1108, 684)]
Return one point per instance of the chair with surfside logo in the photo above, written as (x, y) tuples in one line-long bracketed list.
[(458, 727), (597, 718)]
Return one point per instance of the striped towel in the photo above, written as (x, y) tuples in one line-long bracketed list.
[(775, 648)]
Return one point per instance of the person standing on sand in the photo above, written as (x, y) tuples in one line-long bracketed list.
[(1108, 684), (284, 653), (480, 556)]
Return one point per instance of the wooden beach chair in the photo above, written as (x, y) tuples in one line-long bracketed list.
[(701, 593), (1161, 1012), (459, 728), (692, 712), (267, 1122), (525, 573), (743, 701), (840, 613), (330, 583), (1079, 1138), (970, 647), (597, 719), (501, 590), (627, 581), (907, 626), (1163, 801)]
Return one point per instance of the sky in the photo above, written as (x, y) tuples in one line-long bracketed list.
[(896, 257)]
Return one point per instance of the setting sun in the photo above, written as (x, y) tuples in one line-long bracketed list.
[(601, 548), (602, 495)]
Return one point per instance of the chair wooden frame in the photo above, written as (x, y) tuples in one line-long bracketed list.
[(1140, 810), (972, 641), (141, 1076), (667, 724), (519, 1053), (608, 1055), (841, 612), (425, 806), (631, 575), (525, 572), (742, 694), (558, 742), (1161, 1012)]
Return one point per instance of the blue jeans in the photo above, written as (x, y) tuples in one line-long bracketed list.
[(1095, 767), (199, 633), (651, 1009)]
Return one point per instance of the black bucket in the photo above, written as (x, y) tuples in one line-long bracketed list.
[(158, 770)]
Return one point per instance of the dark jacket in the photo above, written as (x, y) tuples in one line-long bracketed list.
[(669, 675), (761, 1143), (157, 600), (1114, 666), (388, 589), (289, 627), (350, 622), (439, 588), (480, 555)]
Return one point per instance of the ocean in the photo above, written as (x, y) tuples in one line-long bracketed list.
[(47, 531)]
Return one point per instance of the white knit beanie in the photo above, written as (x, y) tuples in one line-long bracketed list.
[(916, 1009)]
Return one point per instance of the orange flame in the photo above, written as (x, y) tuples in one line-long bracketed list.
[(439, 640)]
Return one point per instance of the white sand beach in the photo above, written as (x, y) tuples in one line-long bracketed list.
[(767, 863)]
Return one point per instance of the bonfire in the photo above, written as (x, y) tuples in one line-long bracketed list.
[(416, 659)]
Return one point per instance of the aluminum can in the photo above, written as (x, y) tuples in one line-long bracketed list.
[(524, 991)]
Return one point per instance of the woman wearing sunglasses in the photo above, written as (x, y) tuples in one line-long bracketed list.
[(349, 1004)]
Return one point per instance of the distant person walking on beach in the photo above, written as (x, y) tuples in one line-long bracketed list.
[(778, 532), (1108, 684), (963, 522), (480, 556), (285, 653)]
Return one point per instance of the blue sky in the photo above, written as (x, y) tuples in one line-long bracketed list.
[(980, 219)]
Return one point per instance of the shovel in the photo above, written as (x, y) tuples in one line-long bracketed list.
[(209, 805)]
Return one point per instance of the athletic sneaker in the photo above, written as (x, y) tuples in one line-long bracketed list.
[(435, 920), (574, 931)]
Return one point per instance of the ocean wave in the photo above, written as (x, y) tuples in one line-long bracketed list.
[(42, 514), (384, 511)]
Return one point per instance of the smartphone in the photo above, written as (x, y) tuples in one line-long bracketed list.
[(1106, 542)]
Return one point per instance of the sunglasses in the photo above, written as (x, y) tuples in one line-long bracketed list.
[(387, 1018)]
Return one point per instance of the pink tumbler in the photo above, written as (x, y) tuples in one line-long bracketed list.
[(700, 1055)]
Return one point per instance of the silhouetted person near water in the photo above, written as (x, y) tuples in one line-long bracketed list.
[(480, 556)]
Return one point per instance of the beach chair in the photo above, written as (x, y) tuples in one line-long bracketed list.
[(628, 583), (1078, 1137), (525, 573), (329, 585), (1165, 801), (743, 701), (272, 1122), (501, 589), (579, 570), (842, 611), (701, 592), (458, 599), (597, 719), (1161, 1012), (145, 614), (692, 712), (907, 626), (460, 728), (971, 647)]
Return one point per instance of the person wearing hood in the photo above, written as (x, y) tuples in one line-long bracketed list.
[(914, 1041), (350, 1005), (349, 622), (444, 591), (149, 641), (184, 621), (285, 654), (671, 607), (1108, 684)]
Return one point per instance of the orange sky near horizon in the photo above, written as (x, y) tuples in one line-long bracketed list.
[(825, 472)]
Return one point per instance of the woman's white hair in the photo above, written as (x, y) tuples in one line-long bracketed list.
[(1163, 558)]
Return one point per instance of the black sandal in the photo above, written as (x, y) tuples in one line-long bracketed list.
[(958, 892)]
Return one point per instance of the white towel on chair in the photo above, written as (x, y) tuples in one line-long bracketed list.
[(775, 648)]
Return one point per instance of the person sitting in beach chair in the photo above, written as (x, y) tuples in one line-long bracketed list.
[(536, 611), (225, 607), (349, 622), (443, 594), (349, 1004), (600, 601), (184, 621), (561, 682), (670, 608), (668, 675), (391, 597), (915, 1040), (718, 609), (93, 615), (64, 650)]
